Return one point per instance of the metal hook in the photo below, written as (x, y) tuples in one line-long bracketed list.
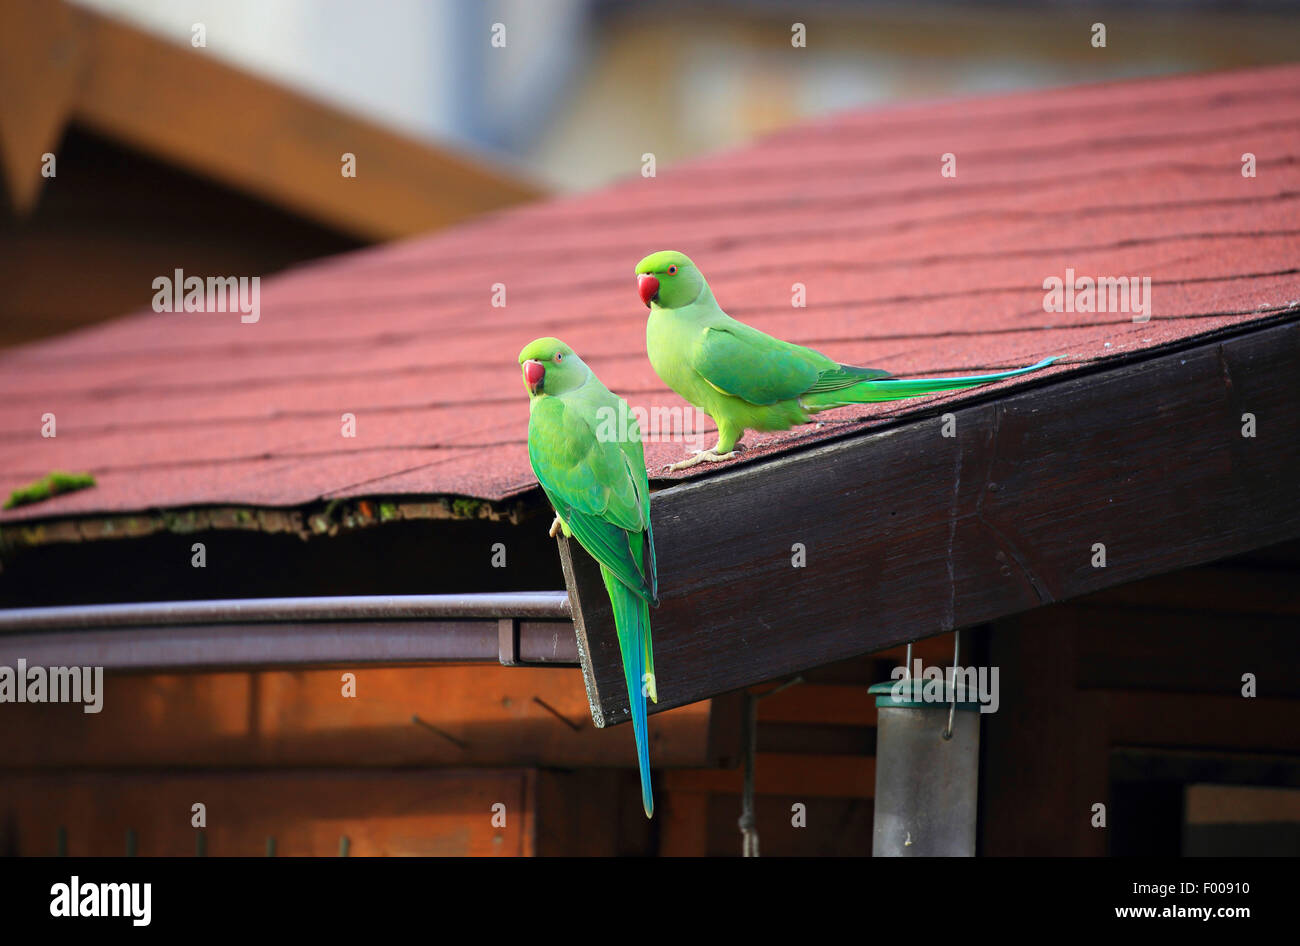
[(576, 727), (438, 732), (793, 681), (952, 709)]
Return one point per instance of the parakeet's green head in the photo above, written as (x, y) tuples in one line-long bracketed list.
[(668, 279), (550, 367)]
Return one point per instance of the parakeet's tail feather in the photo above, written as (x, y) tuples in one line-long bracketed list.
[(650, 689), (893, 389), (845, 376), (632, 620)]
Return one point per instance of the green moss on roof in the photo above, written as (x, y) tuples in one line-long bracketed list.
[(313, 519), (47, 486), (466, 508)]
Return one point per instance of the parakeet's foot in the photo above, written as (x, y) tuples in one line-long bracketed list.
[(699, 456), (555, 527)]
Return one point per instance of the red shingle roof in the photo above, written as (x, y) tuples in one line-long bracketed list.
[(905, 270)]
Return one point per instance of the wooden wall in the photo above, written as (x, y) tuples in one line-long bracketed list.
[(413, 763), (1129, 698)]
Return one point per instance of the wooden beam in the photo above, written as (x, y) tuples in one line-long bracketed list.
[(814, 704), (726, 730), (684, 831), (784, 773), (1190, 766), (41, 50), (1043, 754), (184, 106), (909, 533), (1170, 651), (1224, 723), (591, 813)]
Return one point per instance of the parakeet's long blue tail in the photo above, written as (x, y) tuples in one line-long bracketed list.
[(632, 620), (893, 389)]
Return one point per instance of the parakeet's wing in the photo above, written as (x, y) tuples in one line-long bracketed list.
[(749, 364), (594, 489), (746, 363)]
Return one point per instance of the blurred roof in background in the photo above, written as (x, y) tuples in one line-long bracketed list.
[(583, 88), (125, 155)]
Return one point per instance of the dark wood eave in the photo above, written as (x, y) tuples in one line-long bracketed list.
[(909, 534)]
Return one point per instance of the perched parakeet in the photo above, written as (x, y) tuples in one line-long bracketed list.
[(746, 379), (585, 448)]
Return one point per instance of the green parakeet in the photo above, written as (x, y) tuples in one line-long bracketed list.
[(746, 379), (585, 448)]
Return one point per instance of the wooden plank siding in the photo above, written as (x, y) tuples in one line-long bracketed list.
[(1103, 694), (443, 813), (466, 715), (410, 765)]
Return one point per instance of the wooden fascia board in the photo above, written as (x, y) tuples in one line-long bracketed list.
[(909, 534)]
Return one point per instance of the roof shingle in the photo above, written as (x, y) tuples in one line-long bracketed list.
[(905, 270)]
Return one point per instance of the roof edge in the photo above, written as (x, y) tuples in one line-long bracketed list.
[(319, 519)]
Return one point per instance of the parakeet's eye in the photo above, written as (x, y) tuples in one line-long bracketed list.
[(559, 357), (672, 270)]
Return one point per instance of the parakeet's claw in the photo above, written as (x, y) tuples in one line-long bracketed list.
[(697, 457), (555, 527)]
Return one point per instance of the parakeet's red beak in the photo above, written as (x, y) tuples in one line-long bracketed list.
[(534, 372), (648, 286)]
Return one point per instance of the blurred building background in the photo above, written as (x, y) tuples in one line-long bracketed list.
[(583, 88)]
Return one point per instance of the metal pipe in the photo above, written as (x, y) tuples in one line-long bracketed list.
[(295, 632), (553, 605)]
